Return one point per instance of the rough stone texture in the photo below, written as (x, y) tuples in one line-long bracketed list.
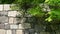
[(3, 19), (17, 20), (26, 25), (2, 31), (12, 13), (13, 26), (3, 13), (7, 7), (19, 31), (8, 32), (1, 26), (13, 31), (11, 20), (20, 26), (7, 26), (1, 7)]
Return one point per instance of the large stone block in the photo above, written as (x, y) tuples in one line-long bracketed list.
[(3, 19), (13, 26), (11, 20), (2, 26), (8, 32), (7, 7), (20, 26), (1, 7), (19, 31), (2, 31), (3, 13), (12, 13), (7, 26), (26, 25), (17, 21)]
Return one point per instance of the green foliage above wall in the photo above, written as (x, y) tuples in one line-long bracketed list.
[(46, 11), (41, 7), (6, 1)]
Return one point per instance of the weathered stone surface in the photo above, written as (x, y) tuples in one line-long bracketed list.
[(20, 26), (2, 26), (7, 26), (26, 25), (1, 7), (13, 26), (27, 15), (7, 7), (3, 13), (17, 20), (11, 20), (8, 32), (19, 31), (2, 31), (3, 19), (12, 13)]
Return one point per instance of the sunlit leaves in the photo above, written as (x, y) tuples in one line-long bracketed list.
[(48, 19), (14, 7), (55, 14), (53, 2), (46, 0), (36, 11)]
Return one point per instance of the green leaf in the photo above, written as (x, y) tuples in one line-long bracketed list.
[(46, 0), (35, 11), (49, 19)]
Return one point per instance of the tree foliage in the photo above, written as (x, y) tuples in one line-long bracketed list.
[(6, 1), (46, 11)]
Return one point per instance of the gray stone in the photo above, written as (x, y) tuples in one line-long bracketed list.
[(13, 31), (7, 26), (13, 26), (26, 25), (1, 26), (3, 13), (3, 19)]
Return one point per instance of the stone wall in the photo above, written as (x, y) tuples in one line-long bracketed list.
[(8, 20)]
